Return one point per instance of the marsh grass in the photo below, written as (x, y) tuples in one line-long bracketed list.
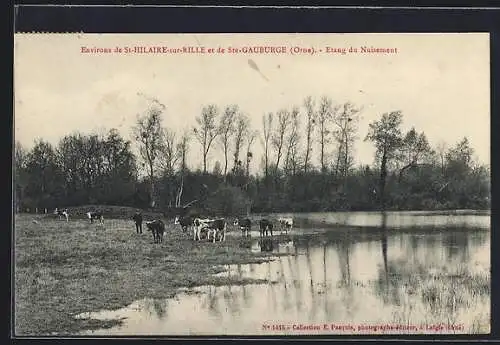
[(437, 295), (64, 269)]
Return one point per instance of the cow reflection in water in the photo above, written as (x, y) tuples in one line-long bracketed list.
[(266, 245)]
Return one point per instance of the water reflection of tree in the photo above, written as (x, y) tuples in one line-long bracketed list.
[(326, 285), (286, 291), (157, 307), (456, 245), (386, 286), (271, 287), (410, 283), (314, 295), (213, 301), (297, 281), (344, 250)]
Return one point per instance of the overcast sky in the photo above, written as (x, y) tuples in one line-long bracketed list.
[(441, 83)]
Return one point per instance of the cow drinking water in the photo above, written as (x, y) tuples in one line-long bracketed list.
[(157, 228)]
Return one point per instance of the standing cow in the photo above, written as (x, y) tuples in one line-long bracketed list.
[(245, 225), (184, 222), (62, 213), (157, 228), (266, 227), (97, 215)]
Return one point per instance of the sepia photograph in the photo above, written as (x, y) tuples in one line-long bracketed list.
[(251, 184)]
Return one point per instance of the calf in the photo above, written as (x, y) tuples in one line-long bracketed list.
[(184, 222), (157, 228), (64, 213), (286, 223), (245, 225), (95, 216), (266, 227)]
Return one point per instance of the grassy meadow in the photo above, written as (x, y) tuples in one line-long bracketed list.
[(66, 268)]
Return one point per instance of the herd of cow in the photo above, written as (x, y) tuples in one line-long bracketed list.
[(211, 229), (216, 228)]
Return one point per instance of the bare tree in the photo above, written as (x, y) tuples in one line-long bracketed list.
[(267, 123), (226, 129), (292, 143), (251, 138), (278, 137), (441, 150), (310, 123), (170, 152), (182, 151), (207, 131), (346, 121), (149, 134), (325, 116), (241, 131)]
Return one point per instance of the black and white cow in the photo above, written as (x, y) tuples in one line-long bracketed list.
[(217, 228), (97, 215), (62, 213), (214, 227), (184, 222), (157, 228), (245, 225), (266, 227)]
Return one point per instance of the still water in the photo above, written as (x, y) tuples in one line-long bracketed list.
[(339, 280)]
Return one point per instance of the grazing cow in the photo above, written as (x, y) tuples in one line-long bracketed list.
[(184, 222), (286, 223), (137, 217), (266, 227), (217, 227), (245, 225), (95, 216), (64, 213), (157, 228)]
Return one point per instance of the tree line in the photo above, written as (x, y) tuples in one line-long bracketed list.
[(407, 172)]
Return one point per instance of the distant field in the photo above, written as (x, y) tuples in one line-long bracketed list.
[(110, 211), (66, 268)]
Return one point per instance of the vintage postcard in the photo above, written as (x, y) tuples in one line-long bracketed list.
[(251, 184)]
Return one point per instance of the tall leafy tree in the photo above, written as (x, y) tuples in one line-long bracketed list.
[(386, 135)]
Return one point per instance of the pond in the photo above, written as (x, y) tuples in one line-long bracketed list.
[(340, 279)]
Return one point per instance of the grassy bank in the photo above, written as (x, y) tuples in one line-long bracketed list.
[(63, 269)]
